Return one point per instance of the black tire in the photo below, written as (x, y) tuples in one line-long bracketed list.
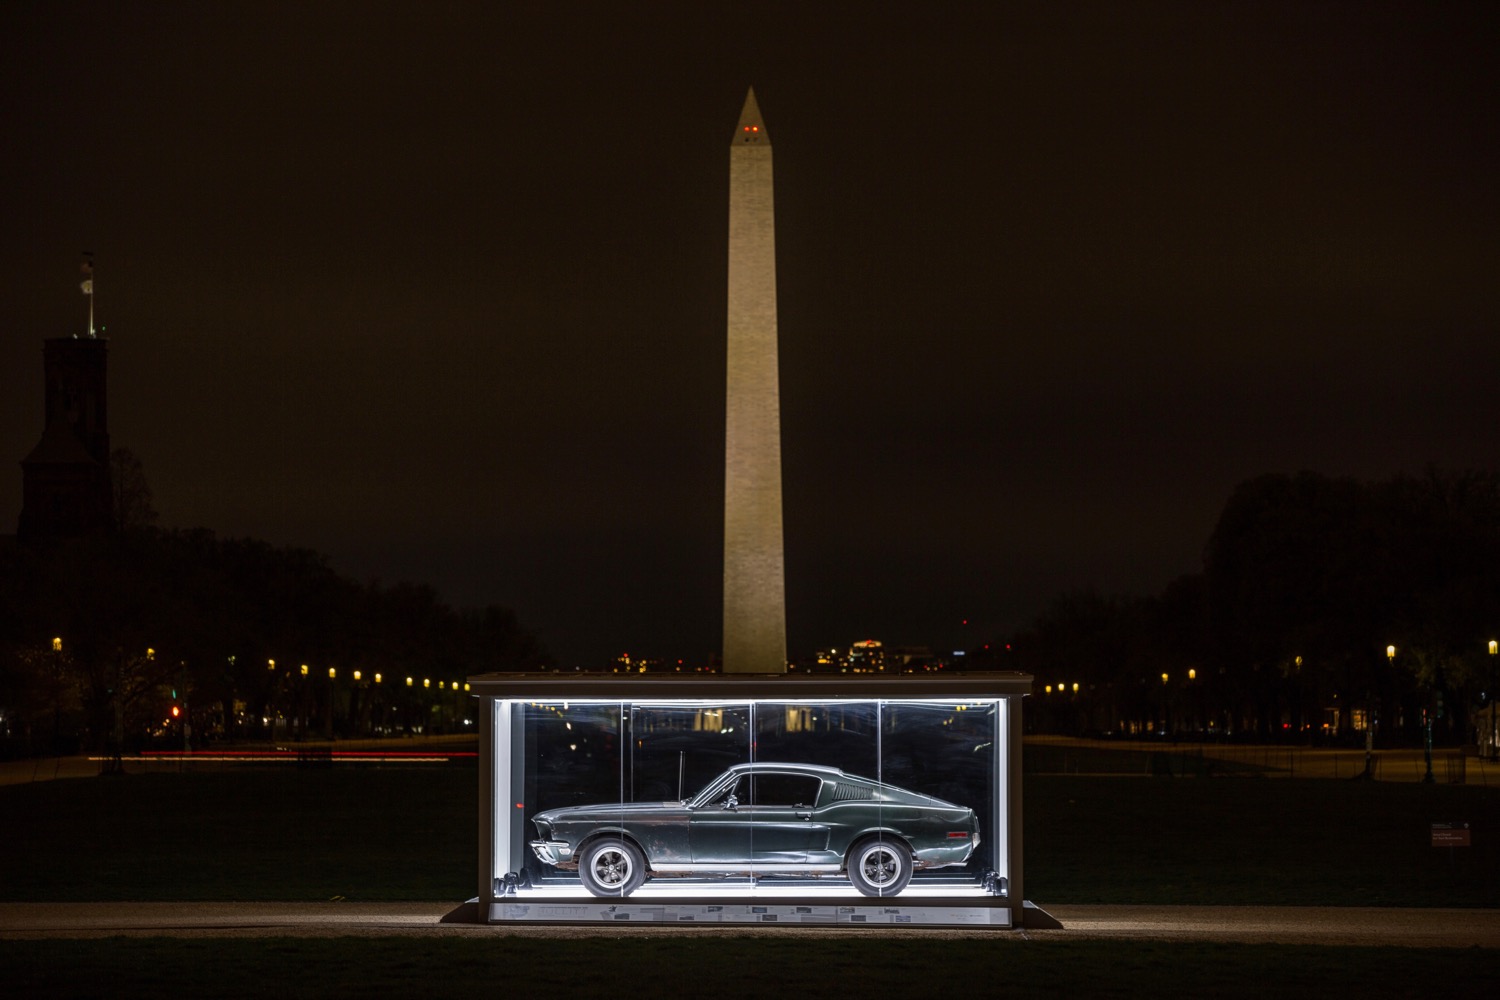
[(879, 866), (611, 867)]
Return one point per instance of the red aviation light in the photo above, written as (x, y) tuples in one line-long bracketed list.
[(958, 835)]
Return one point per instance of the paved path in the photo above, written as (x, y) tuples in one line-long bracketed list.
[(1319, 925), (1425, 928), (21, 772)]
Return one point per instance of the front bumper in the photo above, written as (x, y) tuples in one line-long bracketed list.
[(553, 852)]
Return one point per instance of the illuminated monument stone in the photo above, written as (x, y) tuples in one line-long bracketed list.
[(754, 581)]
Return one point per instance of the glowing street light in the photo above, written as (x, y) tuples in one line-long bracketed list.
[(1494, 750), (1390, 656), (1165, 724)]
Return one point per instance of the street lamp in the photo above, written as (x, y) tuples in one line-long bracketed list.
[(1390, 656), (1164, 724), (1494, 749)]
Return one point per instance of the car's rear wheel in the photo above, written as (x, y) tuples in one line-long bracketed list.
[(880, 866), (611, 866)]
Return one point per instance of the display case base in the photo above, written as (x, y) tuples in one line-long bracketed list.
[(722, 913)]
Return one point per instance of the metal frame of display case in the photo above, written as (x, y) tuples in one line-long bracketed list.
[(507, 897)]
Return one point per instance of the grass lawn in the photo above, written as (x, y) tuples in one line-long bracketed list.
[(1247, 841), (828, 966), (247, 833), (408, 833)]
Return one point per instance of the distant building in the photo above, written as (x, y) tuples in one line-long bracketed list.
[(65, 481)]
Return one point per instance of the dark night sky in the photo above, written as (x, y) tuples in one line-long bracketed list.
[(438, 289)]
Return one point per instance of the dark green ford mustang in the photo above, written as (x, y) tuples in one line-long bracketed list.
[(762, 819)]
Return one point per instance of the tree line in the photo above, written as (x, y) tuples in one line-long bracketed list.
[(1323, 603), (172, 637)]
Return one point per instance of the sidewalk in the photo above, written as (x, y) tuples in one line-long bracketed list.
[(1306, 925), (22, 772)]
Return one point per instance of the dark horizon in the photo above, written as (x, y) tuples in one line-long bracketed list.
[(441, 294)]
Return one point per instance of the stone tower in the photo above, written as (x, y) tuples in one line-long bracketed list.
[(754, 579), (65, 481)]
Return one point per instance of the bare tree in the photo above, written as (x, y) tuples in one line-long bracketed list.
[(133, 507)]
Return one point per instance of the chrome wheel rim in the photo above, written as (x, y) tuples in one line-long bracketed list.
[(879, 865), (611, 867)]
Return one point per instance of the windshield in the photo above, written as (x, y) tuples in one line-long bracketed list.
[(715, 791)]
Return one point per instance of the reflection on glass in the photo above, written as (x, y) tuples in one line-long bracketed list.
[(851, 798)]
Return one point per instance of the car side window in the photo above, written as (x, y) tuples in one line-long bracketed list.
[(786, 790)]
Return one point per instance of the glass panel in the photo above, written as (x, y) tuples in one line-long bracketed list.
[(676, 750), (572, 758), (790, 800), (945, 751), (841, 735)]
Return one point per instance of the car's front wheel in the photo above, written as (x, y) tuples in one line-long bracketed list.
[(611, 866), (880, 866)]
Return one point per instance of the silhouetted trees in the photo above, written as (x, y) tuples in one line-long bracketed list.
[(101, 639), (1307, 580)]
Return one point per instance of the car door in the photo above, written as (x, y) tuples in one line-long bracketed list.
[(719, 829), (782, 821)]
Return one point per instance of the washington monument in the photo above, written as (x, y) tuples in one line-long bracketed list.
[(754, 579)]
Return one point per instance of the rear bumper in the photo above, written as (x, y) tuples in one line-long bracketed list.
[(947, 855)]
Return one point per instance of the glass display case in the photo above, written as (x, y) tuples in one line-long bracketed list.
[(751, 799)]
